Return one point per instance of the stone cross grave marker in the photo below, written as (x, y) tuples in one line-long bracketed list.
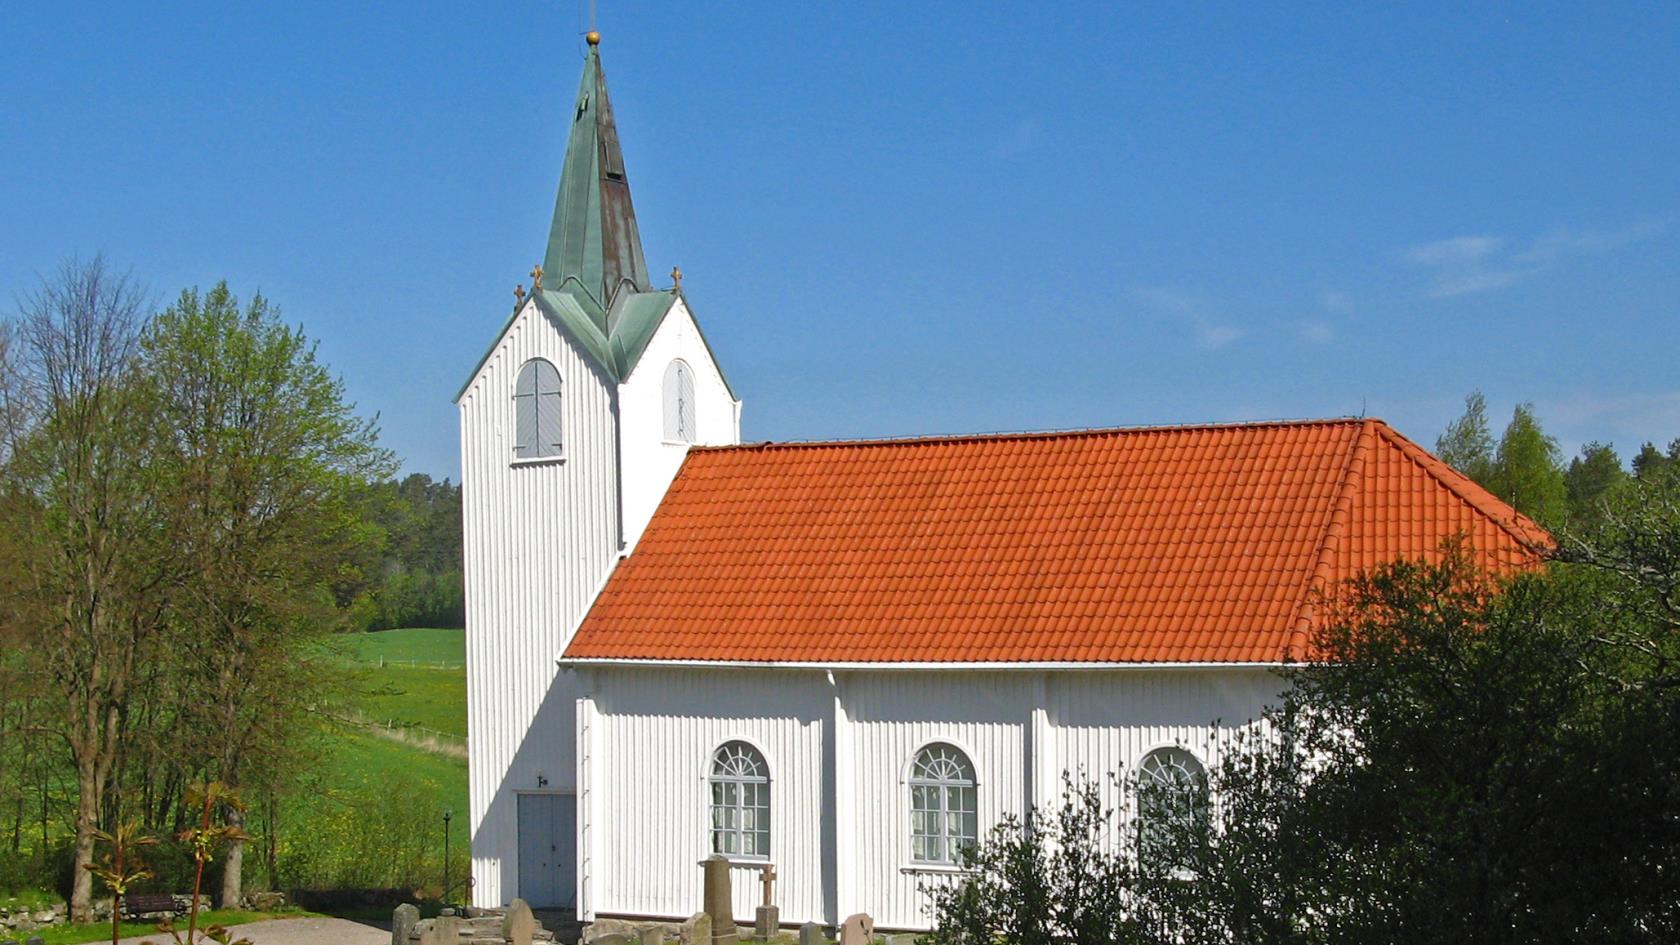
[(768, 919)]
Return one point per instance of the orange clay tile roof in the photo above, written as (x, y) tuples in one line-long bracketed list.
[(1173, 544)]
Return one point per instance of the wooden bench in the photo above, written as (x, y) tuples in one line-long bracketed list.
[(138, 905)]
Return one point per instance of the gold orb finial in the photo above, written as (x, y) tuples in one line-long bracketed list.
[(592, 38)]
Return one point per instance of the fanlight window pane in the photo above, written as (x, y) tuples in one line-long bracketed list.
[(536, 411), (943, 804), (679, 402), (1173, 809), (740, 801)]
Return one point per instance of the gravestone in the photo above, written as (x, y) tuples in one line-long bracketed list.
[(403, 921), (719, 902), (857, 930), (614, 938), (653, 935), (697, 930), (519, 924), (444, 930), (34, 940), (767, 921), (812, 934)]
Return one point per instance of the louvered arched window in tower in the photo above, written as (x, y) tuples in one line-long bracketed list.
[(679, 402), (536, 411)]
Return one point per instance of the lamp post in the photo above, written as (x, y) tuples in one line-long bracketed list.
[(447, 814)]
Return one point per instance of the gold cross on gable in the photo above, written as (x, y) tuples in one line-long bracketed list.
[(536, 278), (676, 276), (519, 293)]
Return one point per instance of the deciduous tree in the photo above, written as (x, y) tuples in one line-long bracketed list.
[(264, 459), (1467, 444), (1527, 469), (83, 522)]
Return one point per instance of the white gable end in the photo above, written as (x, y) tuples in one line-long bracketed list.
[(651, 458)]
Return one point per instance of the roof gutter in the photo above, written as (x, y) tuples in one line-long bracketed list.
[(901, 667)]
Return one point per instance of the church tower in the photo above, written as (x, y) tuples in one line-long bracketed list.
[(573, 424)]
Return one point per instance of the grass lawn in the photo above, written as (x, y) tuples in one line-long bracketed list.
[(421, 644), (101, 931), (361, 765), (370, 812), (414, 695)]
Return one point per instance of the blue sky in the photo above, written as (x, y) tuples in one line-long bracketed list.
[(909, 218)]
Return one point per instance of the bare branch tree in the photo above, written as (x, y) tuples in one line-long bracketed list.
[(82, 522)]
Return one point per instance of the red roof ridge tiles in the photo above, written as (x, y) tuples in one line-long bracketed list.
[(933, 438), (1341, 510), (1196, 544), (1520, 527)]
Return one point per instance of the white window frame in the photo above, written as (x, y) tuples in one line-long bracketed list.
[(944, 804), (739, 802), (1174, 775)]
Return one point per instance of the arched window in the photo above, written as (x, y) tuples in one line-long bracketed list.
[(536, 411), (679, 402), (1173, 810), (943, 804), (740, 802)]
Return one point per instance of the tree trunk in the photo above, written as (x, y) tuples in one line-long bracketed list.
[(233, 862), (271, 840), (87, 820)]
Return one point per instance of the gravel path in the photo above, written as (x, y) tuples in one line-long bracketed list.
[(320, 931)]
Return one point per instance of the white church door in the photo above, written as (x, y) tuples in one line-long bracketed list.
[(548, 850)]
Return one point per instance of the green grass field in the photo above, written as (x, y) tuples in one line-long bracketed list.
[(435, 699), (371, 811), (419, 644)]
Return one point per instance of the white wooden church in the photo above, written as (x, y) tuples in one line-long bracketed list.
[(847, 659)]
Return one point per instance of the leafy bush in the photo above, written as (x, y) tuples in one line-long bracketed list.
[(1044, 881)]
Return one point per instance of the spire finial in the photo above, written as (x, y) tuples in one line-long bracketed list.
[(592, 37)]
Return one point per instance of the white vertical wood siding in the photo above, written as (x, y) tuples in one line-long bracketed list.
[(656, 732), (893, 716), (539, 539), (650, 461), (1020, 730), (1104, 724)]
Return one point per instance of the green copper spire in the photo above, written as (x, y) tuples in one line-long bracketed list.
[(594, 248), (594, 282)]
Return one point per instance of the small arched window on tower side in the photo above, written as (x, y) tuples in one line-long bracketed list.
[(1173, 811), (536, 411), (740, 802), (679, 402), (944, 808)]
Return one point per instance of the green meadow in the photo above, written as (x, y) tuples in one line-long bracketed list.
[(369, 812)]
